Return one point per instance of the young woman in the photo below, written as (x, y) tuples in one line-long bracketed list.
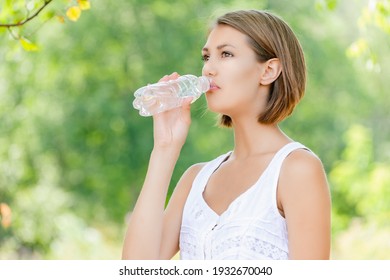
[(266, 199)]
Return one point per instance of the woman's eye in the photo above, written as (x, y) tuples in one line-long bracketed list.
[(227, 54), (205, 57)]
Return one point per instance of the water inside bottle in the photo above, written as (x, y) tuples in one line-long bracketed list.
[(159, 97)]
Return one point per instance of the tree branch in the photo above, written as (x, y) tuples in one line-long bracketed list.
[(8, 25)]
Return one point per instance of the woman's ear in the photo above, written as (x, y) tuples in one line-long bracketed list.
[(271, 71)]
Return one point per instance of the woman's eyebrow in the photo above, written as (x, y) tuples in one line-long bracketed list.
[(205, 49)]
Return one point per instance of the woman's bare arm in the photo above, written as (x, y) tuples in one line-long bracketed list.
[(305, 198), (144, 237)]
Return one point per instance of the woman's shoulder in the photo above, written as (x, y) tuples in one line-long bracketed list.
[(189, 176), (302, 176), (192, 172), (194, 169), (302, 161)]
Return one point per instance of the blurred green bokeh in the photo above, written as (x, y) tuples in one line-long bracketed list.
[(73, 151)]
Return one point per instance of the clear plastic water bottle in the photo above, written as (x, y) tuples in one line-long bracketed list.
[(163, 96)]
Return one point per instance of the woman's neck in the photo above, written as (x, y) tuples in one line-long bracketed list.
[(251, 138)]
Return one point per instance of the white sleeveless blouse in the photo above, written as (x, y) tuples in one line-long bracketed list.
[(251, 227)]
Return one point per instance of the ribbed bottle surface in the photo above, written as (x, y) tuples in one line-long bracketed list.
[(163, 96)]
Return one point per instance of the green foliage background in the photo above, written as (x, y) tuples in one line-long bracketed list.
[(73, 151)]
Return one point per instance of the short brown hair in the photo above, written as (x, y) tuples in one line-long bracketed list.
[(271, 37)]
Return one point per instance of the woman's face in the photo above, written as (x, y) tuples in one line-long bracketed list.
[(235, 72)]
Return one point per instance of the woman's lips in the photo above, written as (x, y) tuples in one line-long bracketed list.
[(213, 87)]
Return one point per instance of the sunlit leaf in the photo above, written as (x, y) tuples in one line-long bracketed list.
[(331, 4), (319, 5), (73, 13), (31, 5), (357, 48), (47, 15), (383, 22), (61, 19), (28, 45), (322, 5), (84, 4)]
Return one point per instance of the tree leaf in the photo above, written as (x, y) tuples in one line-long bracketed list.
[(357, 48), (28, 45), (331, 4), (61, 19), (73, 13), (84, 4)]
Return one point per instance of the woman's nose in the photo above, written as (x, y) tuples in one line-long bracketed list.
[(209, 69)]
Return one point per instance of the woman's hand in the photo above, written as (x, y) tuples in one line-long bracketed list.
[(171, 127)]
